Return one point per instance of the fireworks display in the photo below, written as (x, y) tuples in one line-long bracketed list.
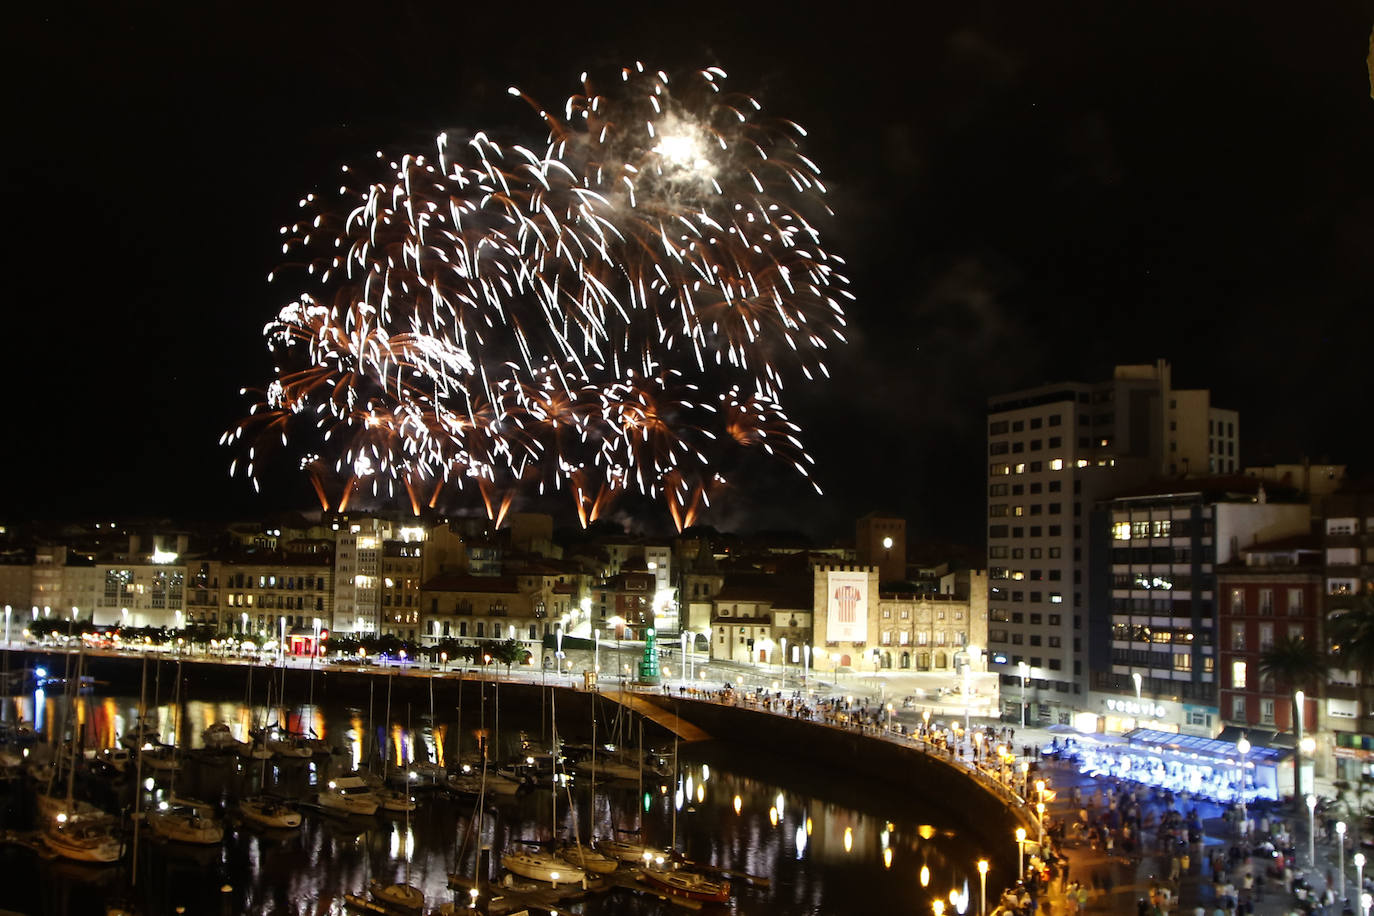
[(615, 313)]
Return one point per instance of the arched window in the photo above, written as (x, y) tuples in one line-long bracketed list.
[(887, 659), (844, 661), (906, 659), (923, 661), (940, 660)]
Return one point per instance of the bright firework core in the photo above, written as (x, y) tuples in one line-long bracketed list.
[(682, 152), (617, 312)]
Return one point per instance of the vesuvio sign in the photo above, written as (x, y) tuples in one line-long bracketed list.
[(1138, 708)]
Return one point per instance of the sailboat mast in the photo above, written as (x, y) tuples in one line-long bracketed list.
[(639, 802), (76, 725), (138, 765)]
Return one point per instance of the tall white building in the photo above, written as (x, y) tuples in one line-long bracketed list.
[(1053, 451)]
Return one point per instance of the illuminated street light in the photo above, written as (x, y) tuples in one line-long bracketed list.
[(1243, 747), (1359, 884), (982, 887), (1020, 852), (1298, 704), (1340, 848), (1024, 670), (1312, 830)]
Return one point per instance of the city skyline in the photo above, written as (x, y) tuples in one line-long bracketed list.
[(1019, 202)]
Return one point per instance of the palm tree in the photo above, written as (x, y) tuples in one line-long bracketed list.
[(1295, 664), (1351, 635)]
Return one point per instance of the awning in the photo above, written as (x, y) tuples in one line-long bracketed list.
[(1206, 747)]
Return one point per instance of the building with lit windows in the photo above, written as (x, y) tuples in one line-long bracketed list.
[(1270, 591), (1154, 652), (1053, 453), (761, 618), (1347, 532), (856, 626), (526, 605), (263, 594)]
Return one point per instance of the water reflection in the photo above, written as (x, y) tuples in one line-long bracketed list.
[(824, 845)]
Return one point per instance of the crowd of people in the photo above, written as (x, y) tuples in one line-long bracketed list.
[(1121, 821)]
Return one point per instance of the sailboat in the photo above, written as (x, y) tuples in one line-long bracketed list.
[(400, 898), (394, 800), (183, 820), (84, 840), (54, 808), (349, 795), (628, 851), (261, 809), (255, 748), (545, 866), (585, 855)]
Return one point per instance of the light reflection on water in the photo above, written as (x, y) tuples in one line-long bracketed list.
[(826, 845)]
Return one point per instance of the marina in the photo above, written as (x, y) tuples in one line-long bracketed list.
[(724, 830)]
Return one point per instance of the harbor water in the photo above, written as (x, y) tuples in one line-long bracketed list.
[(823, 841)]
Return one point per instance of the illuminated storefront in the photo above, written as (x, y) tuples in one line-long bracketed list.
[(1194, 765)]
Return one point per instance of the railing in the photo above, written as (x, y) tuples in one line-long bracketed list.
[(984, 776)]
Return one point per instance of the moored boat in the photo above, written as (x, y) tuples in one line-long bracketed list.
[(399, 898), (543, 866), (272, 813), (636, 853), (220, 737), (687, 885), (83, 840), (184, 821), (395, 800), (349, 795), (587, 858)]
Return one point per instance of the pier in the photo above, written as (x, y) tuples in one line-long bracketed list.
[(664, 718)]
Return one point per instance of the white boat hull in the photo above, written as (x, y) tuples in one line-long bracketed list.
[(182, 828), (96, 846), (269, 814), (542, 866)]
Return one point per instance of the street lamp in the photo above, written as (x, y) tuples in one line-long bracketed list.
[(1020, 853), (1298, 698), (1359, 884), (618, 622), (782, 641), (1024, 670), (982, 887), (1340, 847), (1243, 747), (596, 651), (970, 653), (1312, 830), (938, 906)]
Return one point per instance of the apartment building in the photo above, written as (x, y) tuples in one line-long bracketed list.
[(1347, 532), (1054, 451), (1271, 591), (1155, 622)]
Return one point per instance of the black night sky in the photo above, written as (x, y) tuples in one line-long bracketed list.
[(1024, 193)]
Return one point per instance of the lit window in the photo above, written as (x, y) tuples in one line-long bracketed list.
[(1121, 531), (1056, 464), (1238, 675)]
